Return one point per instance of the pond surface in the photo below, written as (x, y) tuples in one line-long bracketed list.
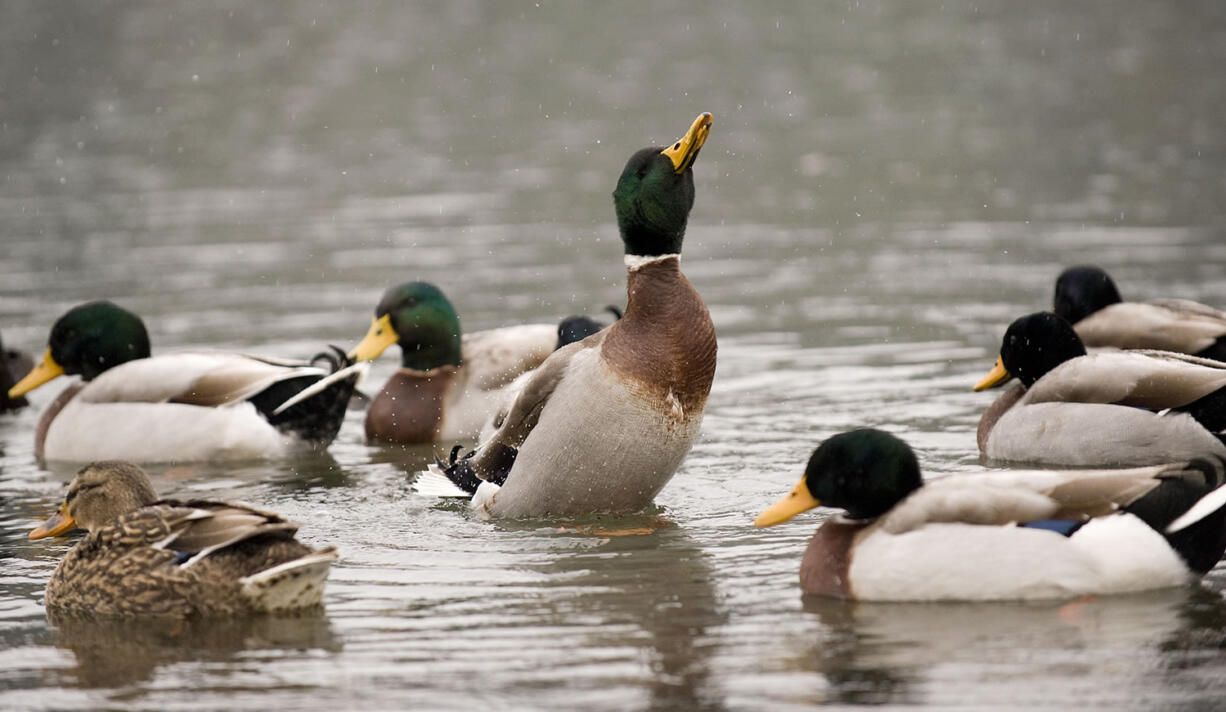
[(886, 187)]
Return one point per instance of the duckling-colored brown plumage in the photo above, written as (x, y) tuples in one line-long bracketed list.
[(149, 557)]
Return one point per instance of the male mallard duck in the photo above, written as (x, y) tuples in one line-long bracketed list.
[(1000, 535), (14, 365), (1108, 408), (149, 557), (578, 327), (604, 423), (179, 407), (447, 385), (1087, 298)]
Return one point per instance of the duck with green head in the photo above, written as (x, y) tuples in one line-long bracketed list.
[(1101, 409), (603, 423), (448, 383), (1087, 298), (131, 405), (1011, 534), (145, 556)]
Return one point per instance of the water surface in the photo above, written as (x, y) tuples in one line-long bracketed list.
[(886, 187)]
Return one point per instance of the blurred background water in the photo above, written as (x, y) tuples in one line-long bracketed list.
[(887, 185)]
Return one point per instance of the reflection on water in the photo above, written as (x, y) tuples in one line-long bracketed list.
[(886, 187), (122, 653)]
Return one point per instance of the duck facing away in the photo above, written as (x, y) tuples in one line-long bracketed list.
[(1103, 409), (144, 556), (130, 405), (1000, 535), (14, 365), (603, 423), (447, 384), (1087, 298)]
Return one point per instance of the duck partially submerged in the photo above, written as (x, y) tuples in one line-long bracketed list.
[(1087, 298), (1102, 409), (145, 556), (1000, 535), (603, 423), (448, 384), (130, 405)]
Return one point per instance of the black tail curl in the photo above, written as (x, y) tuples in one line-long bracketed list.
[(317, 419)]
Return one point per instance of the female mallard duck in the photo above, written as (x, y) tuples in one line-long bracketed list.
[(447, 385), (1000, 535), (1087, 298), (14, 365), (1107, 408), (604, 423), (179, 407), (149, 557)]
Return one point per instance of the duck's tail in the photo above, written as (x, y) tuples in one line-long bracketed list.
[(291, 586), (1189, 509), (312, 407)]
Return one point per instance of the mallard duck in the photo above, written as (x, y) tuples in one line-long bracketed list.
[(144, 556), (578, 327), (1107, 408), (603, 423), (1000, 535), (14, 365), (178, 407), (1087, 298), (447, 384)]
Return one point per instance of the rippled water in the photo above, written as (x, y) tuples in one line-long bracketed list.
[(886, 186)]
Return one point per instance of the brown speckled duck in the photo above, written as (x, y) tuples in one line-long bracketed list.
[(14, 365), (603, 423), (447, 384), (1087, 298), (149, 557)]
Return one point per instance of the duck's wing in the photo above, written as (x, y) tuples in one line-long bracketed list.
[(204, 378), (1168, 324), (495, 357), (1020, 496), (194, 529), (494, 458), (1152, 379)]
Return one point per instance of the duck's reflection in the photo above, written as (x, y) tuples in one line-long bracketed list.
[(892, 653), (646, 585), (113, 653)]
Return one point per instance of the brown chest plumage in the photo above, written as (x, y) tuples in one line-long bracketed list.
[(409, 409), (665, 343), (826, 567)]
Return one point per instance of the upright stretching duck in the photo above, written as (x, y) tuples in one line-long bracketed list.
[(1000, 535), (130, 405), (149, 557), (1087, 298), (603, 423), (447, 385), (1102, 409)]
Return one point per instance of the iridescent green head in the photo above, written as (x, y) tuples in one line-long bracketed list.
[(88, 340), (420, 318), (864, 472), (655, 193)]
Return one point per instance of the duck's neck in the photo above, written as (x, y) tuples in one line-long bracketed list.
[(665, 339)]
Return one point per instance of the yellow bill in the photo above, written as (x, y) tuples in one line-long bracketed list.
[(377, 339), (685, 150), (995, 377), (59, 523), (798, 500), (46, 370)]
